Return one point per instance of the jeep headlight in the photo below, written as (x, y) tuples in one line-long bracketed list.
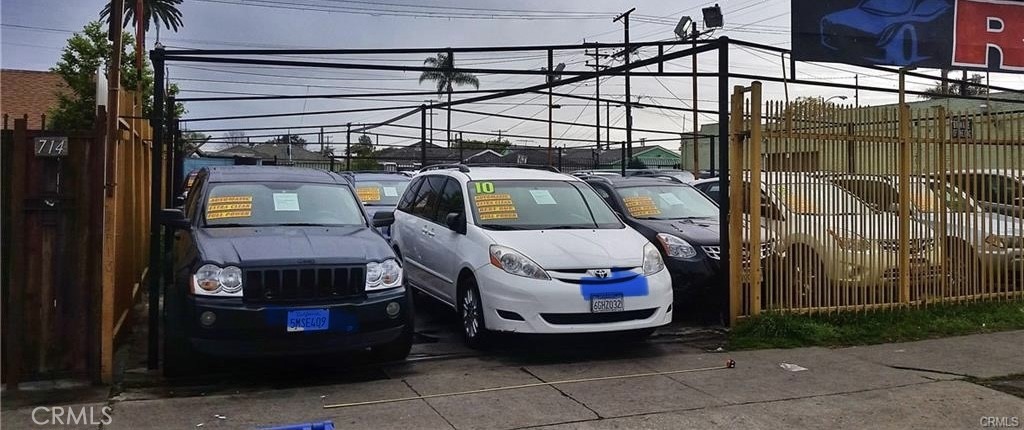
[(383, 275), (676, 247), (849, 240), (652, 260), (213, 280)]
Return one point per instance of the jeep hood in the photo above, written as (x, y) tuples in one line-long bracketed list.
[(277, 246)]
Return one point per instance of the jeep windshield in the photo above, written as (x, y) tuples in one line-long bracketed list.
[(666, 202), (538, 205), (380, 193), (249, 204), (818, 199)]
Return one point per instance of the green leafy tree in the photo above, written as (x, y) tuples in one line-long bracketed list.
[(494, 145), (156, 12), (446, 78), (362, 154), (191, 141), (289, 139), (84, 54), (974, 87)]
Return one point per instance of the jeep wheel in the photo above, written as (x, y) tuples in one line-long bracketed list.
[(396, 350), (474, 330)]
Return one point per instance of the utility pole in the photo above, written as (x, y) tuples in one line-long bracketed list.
[(460, 148), (348, 146), (629, 101), (551, 79), (597, 55), (499, 134), (322, 148), (856, 90), (423, 136)]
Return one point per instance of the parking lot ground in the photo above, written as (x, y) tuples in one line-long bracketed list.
[(926, 384)]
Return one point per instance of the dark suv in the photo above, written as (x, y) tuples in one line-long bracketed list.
[(379, 192), (280, 261), (683, 223)]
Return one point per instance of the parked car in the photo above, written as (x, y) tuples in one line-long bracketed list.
[(680, 176), (977, 242), (828, 234), (684, 224), (279, 261), (996, 190), (528, 251), (380, 191)]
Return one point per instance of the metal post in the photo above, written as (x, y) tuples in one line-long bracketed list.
[(723, 153), (607, 123), (696, 125), (348, 146), (551, 78), (155, 262), (904, 191), (559, 158), (711, 157), (323, 150), (629, 100), (856, 90), (460, 148), (423, 136)]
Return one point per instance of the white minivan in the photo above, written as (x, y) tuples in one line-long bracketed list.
[(527, 251)]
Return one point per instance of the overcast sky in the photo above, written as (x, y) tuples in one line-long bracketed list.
[(34, 31)]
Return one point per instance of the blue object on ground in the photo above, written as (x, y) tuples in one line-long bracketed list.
[(322, 425)]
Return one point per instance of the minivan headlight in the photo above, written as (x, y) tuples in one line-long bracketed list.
[(512, 262), (652, 260), (1004, 242), (212, 280), (676, 247), (383, 275)]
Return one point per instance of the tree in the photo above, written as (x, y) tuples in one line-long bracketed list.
[(974, 88), (191, 141), (290, 139), (362, 154), (446, 77), (83, 55), (235, 137), (807, 108), (495, 145), (157, 12)]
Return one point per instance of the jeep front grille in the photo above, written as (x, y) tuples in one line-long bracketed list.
[(303, 284)]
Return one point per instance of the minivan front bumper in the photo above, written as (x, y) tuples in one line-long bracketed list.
[(523, 305), (247, 330)]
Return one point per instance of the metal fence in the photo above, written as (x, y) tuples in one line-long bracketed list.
[(872, 207)]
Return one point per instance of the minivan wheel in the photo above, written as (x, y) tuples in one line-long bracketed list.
[(474, 331)]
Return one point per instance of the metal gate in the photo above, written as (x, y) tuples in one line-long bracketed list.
[(899, 207)]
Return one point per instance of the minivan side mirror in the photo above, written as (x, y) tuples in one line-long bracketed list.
[(174, 218), (456, 222), (383, 218)]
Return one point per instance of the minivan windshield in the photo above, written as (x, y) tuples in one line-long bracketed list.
[(539, 205), (818, 199), (381, 193), (246, 204), (667, 202)]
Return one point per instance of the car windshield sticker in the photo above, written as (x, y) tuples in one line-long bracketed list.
[(368, 194), (286, 202), (229, 207), (495, 206), (542, 197), (671, 199), (640, 206), (484, 187), (390, 191), (800, 205)]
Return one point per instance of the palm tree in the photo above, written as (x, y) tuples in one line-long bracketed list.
[(157, 12), (446, 76)]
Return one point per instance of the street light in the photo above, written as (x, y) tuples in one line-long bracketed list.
[(833, 97)]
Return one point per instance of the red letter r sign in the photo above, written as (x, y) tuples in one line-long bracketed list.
[(980, 25)]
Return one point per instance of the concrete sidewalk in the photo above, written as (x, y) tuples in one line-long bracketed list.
[(926, 384)]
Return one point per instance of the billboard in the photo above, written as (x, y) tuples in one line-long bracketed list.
[(941, 34)]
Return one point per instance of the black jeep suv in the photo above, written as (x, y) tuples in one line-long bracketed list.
[(280, 261)]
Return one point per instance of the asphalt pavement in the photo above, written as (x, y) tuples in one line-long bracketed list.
[(677, 379)]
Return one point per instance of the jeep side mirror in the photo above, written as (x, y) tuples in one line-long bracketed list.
[(383, 218), (174, 218), (179, 201), (456, 222)]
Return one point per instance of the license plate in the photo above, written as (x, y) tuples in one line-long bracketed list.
[(606, 303), (308, 320)]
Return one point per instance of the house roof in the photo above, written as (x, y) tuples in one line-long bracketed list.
[(270, 151), (30, 92)]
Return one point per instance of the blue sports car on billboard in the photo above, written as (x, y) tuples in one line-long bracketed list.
[(883, 31)]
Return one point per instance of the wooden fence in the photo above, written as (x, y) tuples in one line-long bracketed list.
[(76, 237)]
